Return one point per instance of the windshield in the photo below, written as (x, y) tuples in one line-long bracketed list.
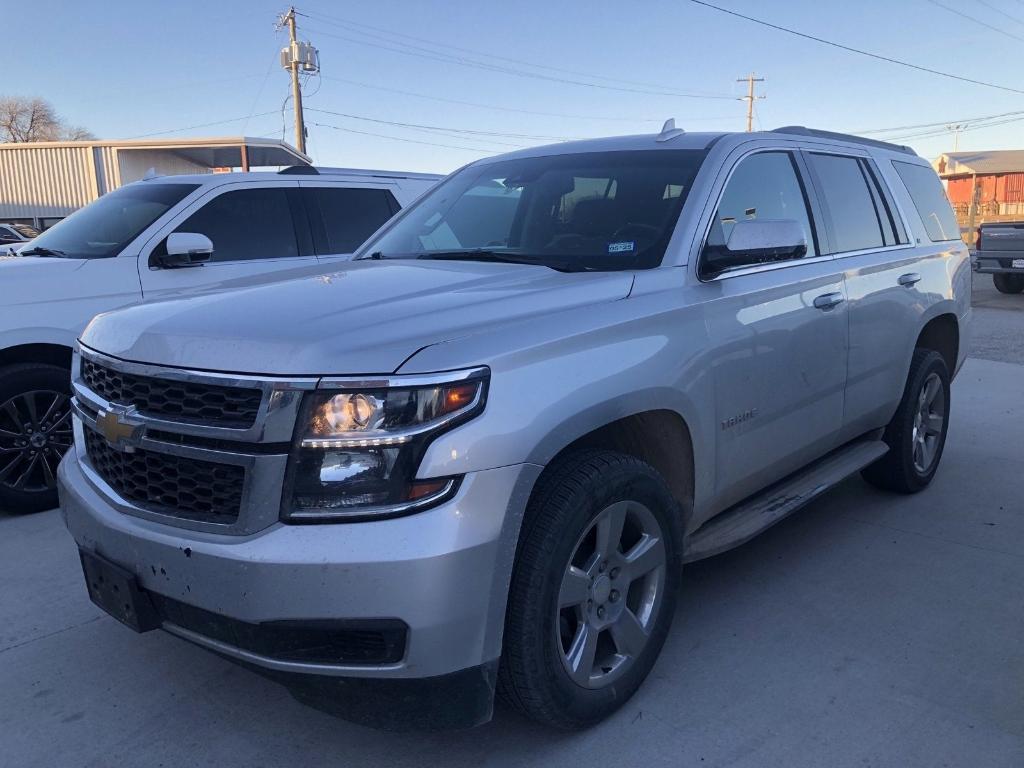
[(588, 211), (104, 227)]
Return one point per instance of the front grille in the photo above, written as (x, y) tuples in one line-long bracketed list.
[(194, 490), (212, 404), (370, 641)]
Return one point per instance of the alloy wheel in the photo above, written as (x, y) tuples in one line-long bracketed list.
[(929, 421), (35, 432), (610, 595)]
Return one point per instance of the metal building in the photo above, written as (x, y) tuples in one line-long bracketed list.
[(42, 182)]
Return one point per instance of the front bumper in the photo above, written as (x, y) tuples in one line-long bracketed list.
[(444, 573)]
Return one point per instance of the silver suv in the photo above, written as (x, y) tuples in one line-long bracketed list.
[(476, 458)]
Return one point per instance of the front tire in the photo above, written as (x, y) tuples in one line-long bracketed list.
[(593, 589), (1007, 283), (917, 433), (35, 432)]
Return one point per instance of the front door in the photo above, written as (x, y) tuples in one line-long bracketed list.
[(259, 232), (778, 337)]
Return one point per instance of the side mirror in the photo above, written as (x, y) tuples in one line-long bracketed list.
[(185, 249), (756, 241)]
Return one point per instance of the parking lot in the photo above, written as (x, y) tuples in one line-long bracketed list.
[(865, 630)]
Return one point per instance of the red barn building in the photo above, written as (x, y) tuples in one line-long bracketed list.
[(994, 180)]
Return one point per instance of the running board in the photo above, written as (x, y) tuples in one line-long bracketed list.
[(745, 520)]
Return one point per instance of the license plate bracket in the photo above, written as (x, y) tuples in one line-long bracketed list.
[(117, 591)]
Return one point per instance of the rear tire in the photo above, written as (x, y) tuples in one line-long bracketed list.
[(917, 433), (593, 589), (1006, 283), (35, 432)]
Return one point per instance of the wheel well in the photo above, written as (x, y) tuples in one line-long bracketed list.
[(942, 334), (52, 354), (660, 438)]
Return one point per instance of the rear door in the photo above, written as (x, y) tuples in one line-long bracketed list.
[(870, 242), (778, 335), (259, 231), (342, 216)]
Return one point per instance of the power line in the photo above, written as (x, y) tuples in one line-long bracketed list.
[(423, 53), (979, 22), (259, 93), (940, 132), (494, 106), (940, 122), (1000, 11), (202, 125), (478, 150), (850, 49), (446, 129), (354, 26)]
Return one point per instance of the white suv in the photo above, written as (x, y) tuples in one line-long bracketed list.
[(158, 238)]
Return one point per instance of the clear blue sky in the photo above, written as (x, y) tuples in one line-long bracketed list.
[(121, 69)]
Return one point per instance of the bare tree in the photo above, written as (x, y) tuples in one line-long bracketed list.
[(24, 119)]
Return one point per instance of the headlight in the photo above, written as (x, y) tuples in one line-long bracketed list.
[(357, 449)]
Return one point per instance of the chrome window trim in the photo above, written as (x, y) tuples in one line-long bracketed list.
[(892, 195), (791, 149), (754, 269)]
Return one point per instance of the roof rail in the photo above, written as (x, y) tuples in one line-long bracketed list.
[(800, 130), (299, 170)]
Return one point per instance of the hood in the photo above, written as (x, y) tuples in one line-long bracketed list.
[(365, 319), (19, 276)]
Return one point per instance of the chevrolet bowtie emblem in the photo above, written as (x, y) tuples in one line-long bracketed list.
[(119, 429)]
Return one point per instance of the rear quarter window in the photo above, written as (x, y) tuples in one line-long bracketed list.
[(930, 200)]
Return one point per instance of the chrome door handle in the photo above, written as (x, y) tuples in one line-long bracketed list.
[(828, 300), (909, 279)]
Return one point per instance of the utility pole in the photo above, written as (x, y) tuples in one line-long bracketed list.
[(749, 98), (295, 58), (957, 129)]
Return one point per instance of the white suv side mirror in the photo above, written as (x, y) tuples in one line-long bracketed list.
[(186, 249)]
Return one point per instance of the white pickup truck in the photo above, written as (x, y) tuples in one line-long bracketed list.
[(159, 238)]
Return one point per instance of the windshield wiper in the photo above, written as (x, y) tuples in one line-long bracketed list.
[(481, 254), (41, 251)]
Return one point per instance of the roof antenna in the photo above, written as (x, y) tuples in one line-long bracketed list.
[(150, 174), (669, 130)]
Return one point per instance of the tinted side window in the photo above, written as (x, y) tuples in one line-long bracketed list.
[(856, 223), (350, 216), (763, 186), (930, 200), (247, 224)]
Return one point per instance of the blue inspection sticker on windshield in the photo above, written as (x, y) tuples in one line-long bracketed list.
[(626, 246)]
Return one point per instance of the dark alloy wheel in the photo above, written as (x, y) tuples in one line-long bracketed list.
[(35, 433)]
